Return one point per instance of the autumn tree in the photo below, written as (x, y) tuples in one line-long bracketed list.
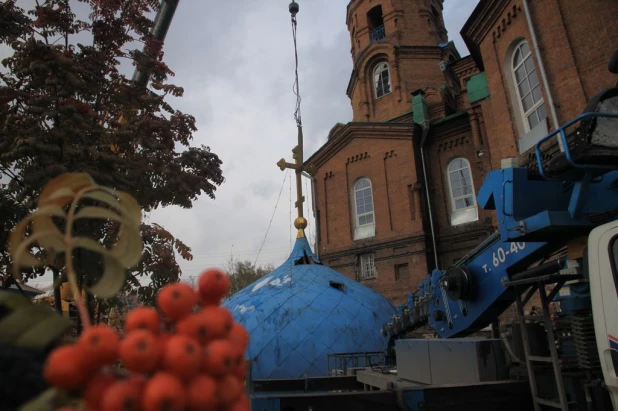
[(66, 106), (243, 273)]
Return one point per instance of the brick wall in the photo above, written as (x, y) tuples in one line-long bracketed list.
[(413, 33), (406, 22), (576, 38), (399, 268), (389, 163), (390, 166)]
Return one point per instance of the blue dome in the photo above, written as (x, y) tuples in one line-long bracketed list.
[(302, 311)]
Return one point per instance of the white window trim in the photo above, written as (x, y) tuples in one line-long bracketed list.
[(373, 79), (523, 113), (365, 230), (368, 260), (463, 215)]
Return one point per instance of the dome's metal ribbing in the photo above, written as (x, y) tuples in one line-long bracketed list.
[(302, 311)]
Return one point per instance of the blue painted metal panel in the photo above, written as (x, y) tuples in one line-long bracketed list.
[(492, 297), (298, 314), (535, 209)]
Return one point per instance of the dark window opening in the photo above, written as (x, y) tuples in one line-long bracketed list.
[(304, 260), (338, 286), (402, 272), (375, 22), (435, 13)]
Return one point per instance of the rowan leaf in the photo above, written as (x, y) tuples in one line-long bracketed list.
[(46, 401), (42, 222), (104, 197), (111, 281), (128, 248), (13, 301), (33, 326), (43, 333), (89, 244), (62, 189), (98, 212), (22, 255)]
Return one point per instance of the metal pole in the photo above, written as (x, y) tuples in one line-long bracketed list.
[(163, 20)]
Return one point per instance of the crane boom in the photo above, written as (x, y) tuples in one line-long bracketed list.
[(537, 214)]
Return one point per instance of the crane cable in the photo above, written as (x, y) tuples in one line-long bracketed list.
[(296, 87)]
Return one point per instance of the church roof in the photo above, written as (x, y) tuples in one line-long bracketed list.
[(302, 311)]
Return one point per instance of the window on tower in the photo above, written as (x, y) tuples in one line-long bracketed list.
[(364, 216), (381, 79), (461, 188), (375, 22)]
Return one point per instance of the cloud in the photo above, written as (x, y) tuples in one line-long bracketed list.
[(235, 60)]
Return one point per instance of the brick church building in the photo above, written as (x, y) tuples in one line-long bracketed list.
[(395, 188)]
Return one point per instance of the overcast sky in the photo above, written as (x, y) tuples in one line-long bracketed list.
[(235, 60)]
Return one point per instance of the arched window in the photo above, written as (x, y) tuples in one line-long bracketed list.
[(461, 190), (527, 87), (364, 217), (381, 79)]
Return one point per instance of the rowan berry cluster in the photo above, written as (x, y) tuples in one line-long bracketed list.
[(186, 355)]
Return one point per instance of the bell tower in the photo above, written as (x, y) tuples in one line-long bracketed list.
[(397, 48)]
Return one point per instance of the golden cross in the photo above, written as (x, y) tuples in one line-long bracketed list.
[(301, 222)]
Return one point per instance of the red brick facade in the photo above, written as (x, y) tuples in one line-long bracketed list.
[(482, 124)]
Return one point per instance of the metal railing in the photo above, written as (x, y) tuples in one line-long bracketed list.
[(378, 34), (339, 363)]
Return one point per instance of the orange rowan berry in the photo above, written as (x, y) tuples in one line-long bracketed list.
[(243, 404), (182, 357), (138, 381), (143, 318), (241, 371), (100, 345), (213, 285), (220, 358), (238, 357), (164, 392), (122, 396), (202, 393), (164, 338), (140, 351), (66, 368), (206, 325), (239, 336), (95, 389), (177, 300), (229, 390)]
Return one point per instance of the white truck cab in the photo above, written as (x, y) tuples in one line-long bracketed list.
[(603, 277)]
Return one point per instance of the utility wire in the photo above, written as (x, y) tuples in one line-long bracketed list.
[(226, 254), (271, 218)]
